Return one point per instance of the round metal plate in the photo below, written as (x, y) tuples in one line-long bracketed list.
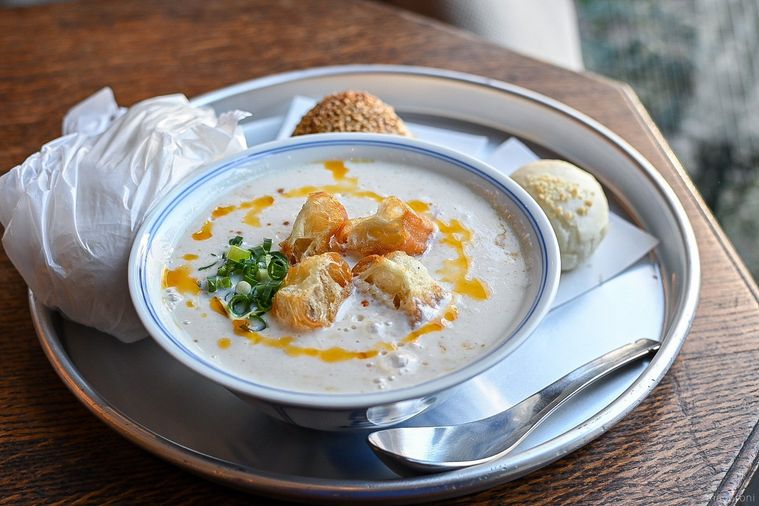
[(164, 407)]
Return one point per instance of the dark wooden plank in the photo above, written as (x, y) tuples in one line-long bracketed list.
[(689, 442)]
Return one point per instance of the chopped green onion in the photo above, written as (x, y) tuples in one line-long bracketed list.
[(243, 287), (279, 254), (239, 305), (258, 252), (251, 278), (277, 268), (237, 254), (208, 266), (257, 323), (267, 292)]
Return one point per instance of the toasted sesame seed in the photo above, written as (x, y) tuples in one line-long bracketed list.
[(351, 111)]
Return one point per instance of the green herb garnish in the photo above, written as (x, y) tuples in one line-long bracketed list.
[(208, 266), (251, 277), (237, 254)]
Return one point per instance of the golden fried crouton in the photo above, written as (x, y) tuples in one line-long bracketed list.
[(402, 281), (395, 227), (351, 111), (317, 222), (313, 291)]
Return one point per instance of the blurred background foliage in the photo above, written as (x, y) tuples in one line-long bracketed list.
[(694, 65)]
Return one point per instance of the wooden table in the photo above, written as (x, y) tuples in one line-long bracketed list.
[(693, 440)]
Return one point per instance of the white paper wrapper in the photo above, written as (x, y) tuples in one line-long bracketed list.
[(70, 212), (623, 245)]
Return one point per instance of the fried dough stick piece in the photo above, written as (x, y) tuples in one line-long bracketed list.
[(401, 281), (313, 292), (394, 227), (318, 220)]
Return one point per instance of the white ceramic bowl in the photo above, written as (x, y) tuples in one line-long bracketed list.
[(169, 218)]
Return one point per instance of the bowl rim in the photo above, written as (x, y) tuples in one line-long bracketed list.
[(547, 247)]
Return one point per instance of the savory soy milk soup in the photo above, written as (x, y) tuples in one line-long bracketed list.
[(474, 254)]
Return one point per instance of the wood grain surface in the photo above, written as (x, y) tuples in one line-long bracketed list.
[(690, 442)]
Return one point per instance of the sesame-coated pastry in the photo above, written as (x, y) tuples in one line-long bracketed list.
[(351, 111), (573, 201)]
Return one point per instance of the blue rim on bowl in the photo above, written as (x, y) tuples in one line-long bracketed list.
[(150, 231)]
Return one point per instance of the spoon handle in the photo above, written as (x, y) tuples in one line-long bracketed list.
[(551, 397), (436, 449), (517, 422)]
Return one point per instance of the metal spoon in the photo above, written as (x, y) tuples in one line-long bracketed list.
[(420, 450)]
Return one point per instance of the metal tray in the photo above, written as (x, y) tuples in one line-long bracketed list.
[(167, 409)]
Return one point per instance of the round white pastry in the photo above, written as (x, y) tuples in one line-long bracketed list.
[(573, 201)]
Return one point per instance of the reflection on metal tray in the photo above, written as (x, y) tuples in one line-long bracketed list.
[(161, 405)]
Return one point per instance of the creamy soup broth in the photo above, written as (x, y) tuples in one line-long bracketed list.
[(475, 254)]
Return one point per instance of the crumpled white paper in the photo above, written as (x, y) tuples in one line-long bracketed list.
[(71, 211)]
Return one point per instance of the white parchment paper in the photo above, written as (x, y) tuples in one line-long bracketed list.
[(623, 246)]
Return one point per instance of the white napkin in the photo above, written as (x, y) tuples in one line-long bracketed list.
[(71, 211), (93, 114)]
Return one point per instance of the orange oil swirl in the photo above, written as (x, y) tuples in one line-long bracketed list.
[(418, 206), (254, 207), (222, 211), (217, 307), (456, 270), (286, 344), (334, 353), (180, 279), (337, 168), (205, 232), (343, 185)]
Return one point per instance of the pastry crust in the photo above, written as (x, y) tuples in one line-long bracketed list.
[(313, 291), (575, 205), (351, 111), (318, 220), (394, 227), (402, 281)]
